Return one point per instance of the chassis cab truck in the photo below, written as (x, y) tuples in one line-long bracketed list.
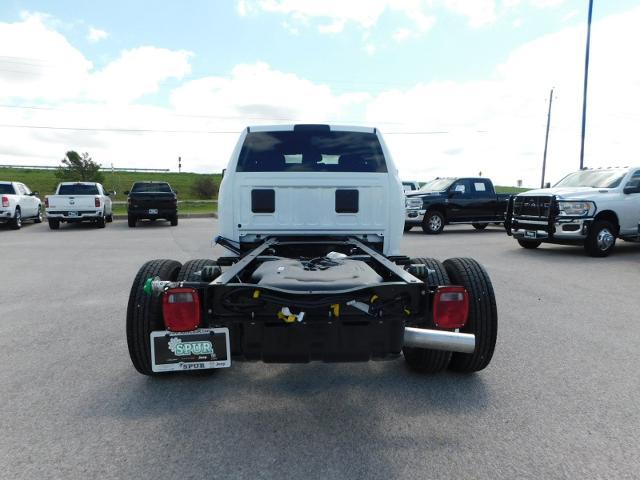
[(312, 218)]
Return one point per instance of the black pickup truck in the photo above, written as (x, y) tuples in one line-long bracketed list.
[(445, 201), (152, 200)]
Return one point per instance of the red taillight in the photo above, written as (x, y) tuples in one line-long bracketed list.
[(97, 201), (5, 201), (181, 309), (450, 307), (46, 202)]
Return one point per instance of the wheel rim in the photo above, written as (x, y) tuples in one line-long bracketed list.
[(605, 239), (435, 223), (39, 215), (18, 218)]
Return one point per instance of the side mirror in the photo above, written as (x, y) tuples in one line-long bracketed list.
[(223, 171), (126, 192), (547, 185), (631, 189), (35, 194)]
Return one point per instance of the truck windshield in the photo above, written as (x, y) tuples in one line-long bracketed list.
[(78, 189), (593, 178), (311, 151), (151, 188), (437, 185), (7, 188)]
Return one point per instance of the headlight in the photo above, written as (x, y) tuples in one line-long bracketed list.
[(576, 209), (413, 202)]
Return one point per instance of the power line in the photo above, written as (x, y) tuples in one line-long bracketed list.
[(214, 132)]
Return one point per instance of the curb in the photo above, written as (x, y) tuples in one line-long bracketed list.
[(181, 215)]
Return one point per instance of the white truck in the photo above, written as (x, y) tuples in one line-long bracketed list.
[(78, 202), (18, 203), (591, 207), (312, 217)]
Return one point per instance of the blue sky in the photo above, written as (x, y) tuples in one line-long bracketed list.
[(460, 66)]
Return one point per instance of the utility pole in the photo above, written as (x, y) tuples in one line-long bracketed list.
[(546, 140), (179, 164), (586, 78)]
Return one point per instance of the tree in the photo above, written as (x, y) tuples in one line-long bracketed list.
[(80, 168), (205, 187)]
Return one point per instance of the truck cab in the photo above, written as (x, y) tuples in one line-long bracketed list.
[(312, 180)]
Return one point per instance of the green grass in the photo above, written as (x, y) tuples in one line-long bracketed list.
[(45, 181), (502, 189)]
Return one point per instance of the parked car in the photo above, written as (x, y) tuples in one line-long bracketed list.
[(152, 200), (590, 207), (446, 201), (78, 202), (18, 203), (314, 270)]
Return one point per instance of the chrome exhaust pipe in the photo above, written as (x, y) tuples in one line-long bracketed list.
[(439, 340)]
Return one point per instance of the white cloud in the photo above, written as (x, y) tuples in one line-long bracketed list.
[(332, 16), (546, 3), (401, 35), (478, 12), (138, 72), (95, 34)]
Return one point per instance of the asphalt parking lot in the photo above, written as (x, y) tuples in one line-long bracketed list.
[(561, 398)]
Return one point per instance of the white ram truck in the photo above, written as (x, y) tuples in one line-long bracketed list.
[(312, 216), (78, 202), (18, 203), (591, 207)]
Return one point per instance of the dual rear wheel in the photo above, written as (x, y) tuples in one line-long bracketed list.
[(482, 320)]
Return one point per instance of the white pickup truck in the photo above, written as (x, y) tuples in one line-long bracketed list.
[(312, 216), (18, 203), (590, 207), (78, 202)]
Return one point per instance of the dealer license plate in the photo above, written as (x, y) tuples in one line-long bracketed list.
[(153, 211), (530, 234), (72, 214), (198, 350)]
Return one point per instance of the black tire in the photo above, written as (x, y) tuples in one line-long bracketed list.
[(144, 312), (174, 220), (424, 360), (601, 239), (110, 218), (54, 223), (101, 222), (16, 221), (433, 222), (192, 266), (408, 227), (131, 220), (38, 218), (530, 244), (480, 226), (483, 313)]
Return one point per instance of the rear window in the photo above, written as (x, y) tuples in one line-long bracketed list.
[(311, 151), (7, 188), (78, 189), (151, 188)]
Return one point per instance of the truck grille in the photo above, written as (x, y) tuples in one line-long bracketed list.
[(531, 207)]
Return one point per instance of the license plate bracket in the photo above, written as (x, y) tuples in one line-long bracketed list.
[(201, 349), (72, 214), (531, 234)]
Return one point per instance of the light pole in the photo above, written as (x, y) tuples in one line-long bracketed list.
[(586, 79), (546, 140)]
